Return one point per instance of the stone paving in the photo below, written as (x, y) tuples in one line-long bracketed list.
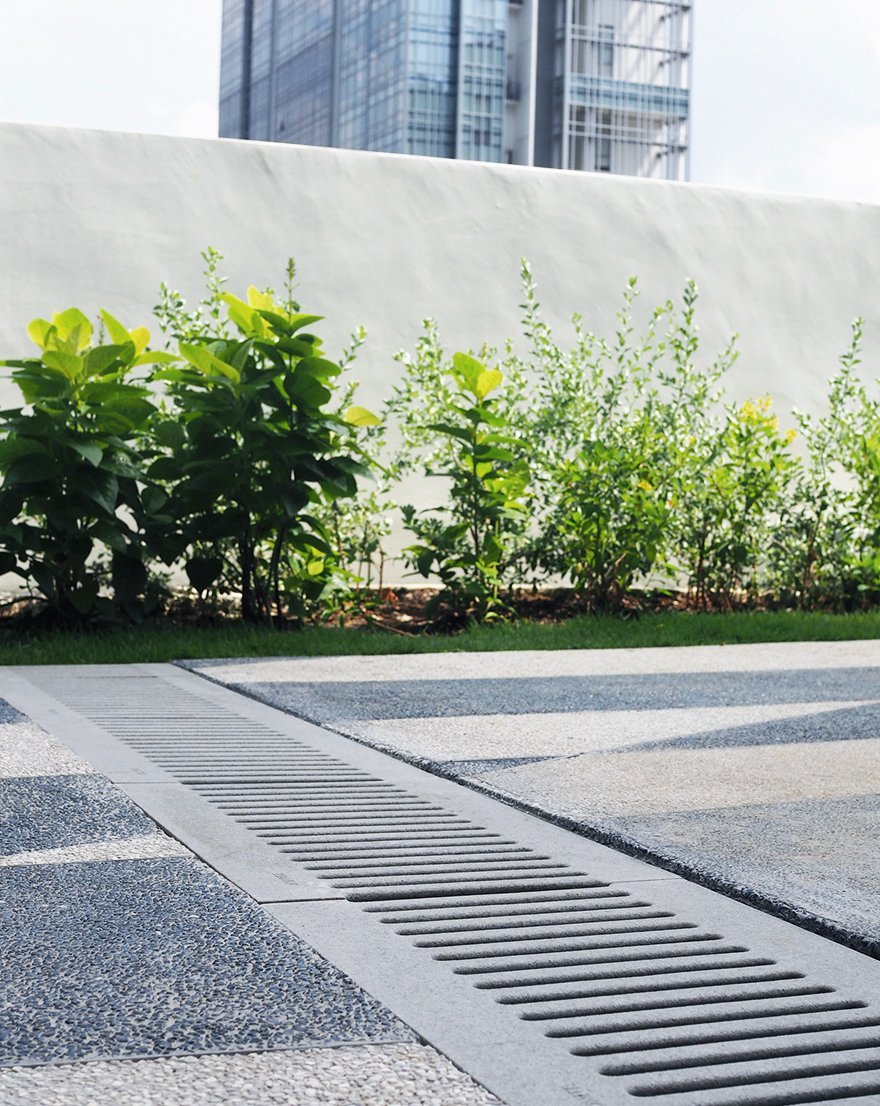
[(755, 769), (134, 975)]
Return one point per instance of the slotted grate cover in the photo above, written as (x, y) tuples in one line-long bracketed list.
[(554, 970)]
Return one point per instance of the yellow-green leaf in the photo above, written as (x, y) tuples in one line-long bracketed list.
[(156, 357), (360, 416), (119, 335), (261, 301), (208, 363), (487, 382), (39, 331), (467, 371), (140, 336), (246, 318), (73, 327)]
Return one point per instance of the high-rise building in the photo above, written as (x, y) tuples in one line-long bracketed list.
[(572, 84)]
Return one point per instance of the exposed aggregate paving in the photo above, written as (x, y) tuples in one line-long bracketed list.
[(368, 1075), (156, 957), (26, 750), (50, 812), (149, 846), (725, 763)]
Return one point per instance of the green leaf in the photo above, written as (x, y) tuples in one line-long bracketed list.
[(297, 322), (102, 487), (169, 434), (360, 416), (39, 331), (203, 572), (74, 328), (118, 333), (101, 359), (88, 450), (69, 364), (128, 576), (32, 469), (83, 598), (209, 363), (487, 382), (306, 391), (321, 368)]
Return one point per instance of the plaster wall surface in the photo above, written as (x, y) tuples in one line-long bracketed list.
[(99, 219)]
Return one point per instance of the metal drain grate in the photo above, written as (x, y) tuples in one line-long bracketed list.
[(554, 970)]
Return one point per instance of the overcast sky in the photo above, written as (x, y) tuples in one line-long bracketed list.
[(786, 93)]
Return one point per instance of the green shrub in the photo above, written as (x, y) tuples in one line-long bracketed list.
[(465, 541), (250, 449), (74, 507), (735, 484), (611, 428)]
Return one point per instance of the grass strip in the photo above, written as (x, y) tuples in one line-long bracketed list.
[(148, 642)]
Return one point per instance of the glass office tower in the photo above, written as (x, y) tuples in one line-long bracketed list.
[(573, 84)]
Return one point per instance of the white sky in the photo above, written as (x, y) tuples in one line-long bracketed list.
[(786, 93)]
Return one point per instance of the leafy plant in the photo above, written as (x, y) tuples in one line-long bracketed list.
[(828, 547), (73, 496), (465, 542), (735, 493), (609, 426), (250, 450)]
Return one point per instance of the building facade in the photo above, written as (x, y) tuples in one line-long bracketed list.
[(601, 85)]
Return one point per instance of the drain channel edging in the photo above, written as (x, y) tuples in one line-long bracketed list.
[(402, 932)]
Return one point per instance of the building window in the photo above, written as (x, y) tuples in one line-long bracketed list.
[(606, 50), (603, 144)]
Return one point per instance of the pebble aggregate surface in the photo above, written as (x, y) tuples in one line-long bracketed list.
[(722, 762), (369, 1075), (153, 957), (49, 812)]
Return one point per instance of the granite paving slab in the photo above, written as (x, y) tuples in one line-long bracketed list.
[(682, 755)]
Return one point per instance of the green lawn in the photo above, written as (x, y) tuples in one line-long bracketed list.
[(163, 643)]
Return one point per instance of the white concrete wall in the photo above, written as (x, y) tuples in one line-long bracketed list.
[(99, 219)]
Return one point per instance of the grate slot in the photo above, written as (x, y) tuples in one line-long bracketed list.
[(536, 987), (839, 1039), (542, 945), (530, 962), (743, 1011), (493, 906), (518, 929), (661, 1039), (788, 1070), (462, 887), (438, 865)]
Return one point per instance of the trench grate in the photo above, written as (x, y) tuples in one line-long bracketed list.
[(611, 982)]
